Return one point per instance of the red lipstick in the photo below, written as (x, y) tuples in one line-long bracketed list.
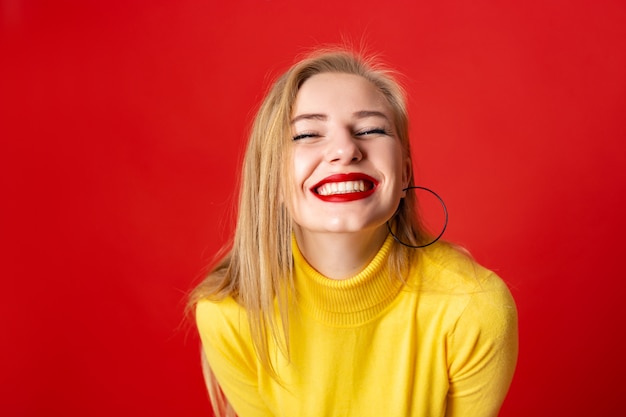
[(370, 187)]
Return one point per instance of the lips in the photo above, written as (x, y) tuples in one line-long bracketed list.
[(340, 188)]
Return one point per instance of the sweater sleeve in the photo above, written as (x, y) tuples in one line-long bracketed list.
[(227, 344), (482, 351)]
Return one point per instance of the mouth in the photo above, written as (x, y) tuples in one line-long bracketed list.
[(344, 187), (333, 188)]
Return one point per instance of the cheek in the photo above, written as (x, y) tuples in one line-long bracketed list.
[(302, 166), (298, 174), (396, 163)]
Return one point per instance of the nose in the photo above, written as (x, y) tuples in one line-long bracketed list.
[(343, 148)]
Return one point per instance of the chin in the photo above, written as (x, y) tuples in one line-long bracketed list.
[(355, 227)]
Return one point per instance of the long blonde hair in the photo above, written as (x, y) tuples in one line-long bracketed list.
[(257, 269)]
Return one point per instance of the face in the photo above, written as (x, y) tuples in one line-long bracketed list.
[(348, 164)]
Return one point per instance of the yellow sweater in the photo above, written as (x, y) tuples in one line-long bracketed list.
[(443, 345)]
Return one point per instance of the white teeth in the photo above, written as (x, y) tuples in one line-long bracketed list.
[(331, 188)]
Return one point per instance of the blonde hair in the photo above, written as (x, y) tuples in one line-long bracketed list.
[(257, 269)]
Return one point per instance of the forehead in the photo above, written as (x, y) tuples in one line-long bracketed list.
[(328, 92)]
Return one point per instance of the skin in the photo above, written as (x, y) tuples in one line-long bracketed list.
[(342, 124)]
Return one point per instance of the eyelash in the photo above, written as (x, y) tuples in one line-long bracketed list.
[(377, 131), (305, 136)]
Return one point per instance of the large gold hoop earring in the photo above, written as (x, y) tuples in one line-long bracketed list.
[(445, 211)]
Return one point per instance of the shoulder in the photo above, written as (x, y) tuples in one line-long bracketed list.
[(447, 268), (453, 282), (227, 306), (222, 320)]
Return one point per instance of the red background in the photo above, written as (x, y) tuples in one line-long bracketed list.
[(122, 125)]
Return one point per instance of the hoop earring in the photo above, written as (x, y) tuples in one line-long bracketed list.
[(445, 210)]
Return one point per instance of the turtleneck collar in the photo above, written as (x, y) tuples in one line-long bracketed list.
[(348, 302)]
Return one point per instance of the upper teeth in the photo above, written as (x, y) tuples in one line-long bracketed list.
[(331, 188)]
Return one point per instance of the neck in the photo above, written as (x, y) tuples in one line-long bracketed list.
[(340, 255)]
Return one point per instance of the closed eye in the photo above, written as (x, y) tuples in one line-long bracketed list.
[(377, 131), (305, 136)]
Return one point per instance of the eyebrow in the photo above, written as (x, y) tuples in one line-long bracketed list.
[(362, 114), (309, 116), (370, 113)]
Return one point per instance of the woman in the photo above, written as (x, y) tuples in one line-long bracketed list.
[(317, 309)]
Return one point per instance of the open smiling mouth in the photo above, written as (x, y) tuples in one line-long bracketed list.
[(345, 187), (332, 188)]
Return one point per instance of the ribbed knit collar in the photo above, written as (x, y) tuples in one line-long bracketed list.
[(349, 302)]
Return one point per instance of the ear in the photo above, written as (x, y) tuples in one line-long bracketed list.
[(407, 173)]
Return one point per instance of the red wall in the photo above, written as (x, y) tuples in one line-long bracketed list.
[(122, 125)]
